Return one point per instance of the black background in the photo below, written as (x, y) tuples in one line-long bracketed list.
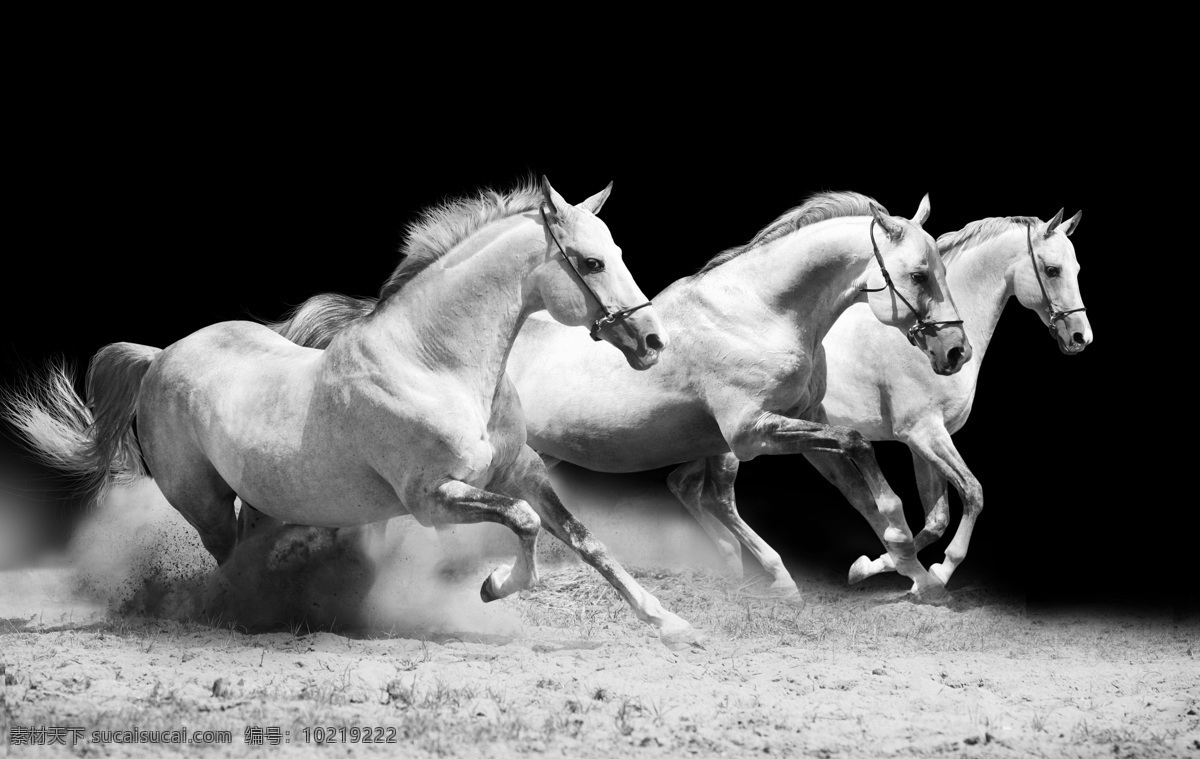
[(147, 207)]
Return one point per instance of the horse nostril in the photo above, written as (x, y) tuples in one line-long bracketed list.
[(1078, 338), (955, 355), (653, 342)]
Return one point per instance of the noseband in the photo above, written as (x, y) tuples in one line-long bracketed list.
[(923, 325), (610, 317), (1056, 314)]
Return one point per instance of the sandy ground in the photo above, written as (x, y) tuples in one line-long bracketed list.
[(133, 631)]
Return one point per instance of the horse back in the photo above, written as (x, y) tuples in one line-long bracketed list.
[(236, 394)]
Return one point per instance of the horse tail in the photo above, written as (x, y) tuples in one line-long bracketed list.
[(92, 445), (319, 319)]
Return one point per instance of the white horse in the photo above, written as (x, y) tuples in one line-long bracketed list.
[(746, 372), (408, 411), (876, 387), (879, 387)]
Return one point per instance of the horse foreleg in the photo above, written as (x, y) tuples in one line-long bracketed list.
[(851, 475), (853, 487), (855, 466), (456, 502), (719, 501), (935, 499), (933, 443), (688, 482), (530, 480)]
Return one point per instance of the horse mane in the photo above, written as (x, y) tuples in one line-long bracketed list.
[(440, 228), (315, 322), (979, 232), (818, 207)]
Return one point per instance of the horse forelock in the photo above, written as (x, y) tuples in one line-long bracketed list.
[(819, 207), (441, 228)]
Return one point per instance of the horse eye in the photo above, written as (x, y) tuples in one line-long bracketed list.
[(919, 277), (594, 265), (1053, 271)]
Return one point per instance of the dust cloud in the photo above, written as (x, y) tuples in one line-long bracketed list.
[(136, 555)]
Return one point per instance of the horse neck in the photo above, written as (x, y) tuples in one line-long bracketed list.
[(980, 279), (463, 314), (808, 277)]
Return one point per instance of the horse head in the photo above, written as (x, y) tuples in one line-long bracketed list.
[(1046, 281), (914, 296), (585, 281)]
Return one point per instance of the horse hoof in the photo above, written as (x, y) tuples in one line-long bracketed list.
[(683, 639), (785, 589), (934, 593), (860, 570), (487, 592), (941, 572)]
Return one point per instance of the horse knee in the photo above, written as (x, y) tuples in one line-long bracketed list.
[(972, 496), (747, 445), (936, 523), (890, 505), (853, 442), (524, 519)]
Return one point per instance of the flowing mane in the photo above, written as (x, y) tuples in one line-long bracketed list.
[(978, 232), (440, 228), (819, 207)]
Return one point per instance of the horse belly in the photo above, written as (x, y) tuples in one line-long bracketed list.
[(631, 442)]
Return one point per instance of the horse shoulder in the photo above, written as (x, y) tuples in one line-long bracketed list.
[(866, 368)]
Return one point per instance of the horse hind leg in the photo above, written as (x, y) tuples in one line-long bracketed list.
[(688, 483), (250, 521), (719, 502), (206, 502)]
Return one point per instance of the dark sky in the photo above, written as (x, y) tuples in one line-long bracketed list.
[(144, 213)]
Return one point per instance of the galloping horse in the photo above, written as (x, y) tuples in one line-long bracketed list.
[(876, 386), (407, 411), (746, 372)]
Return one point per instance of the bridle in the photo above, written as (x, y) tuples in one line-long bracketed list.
[(610, 317), (923, 325), (1056, 314)]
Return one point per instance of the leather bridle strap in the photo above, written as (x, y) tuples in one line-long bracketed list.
[(1056, 314), (923, 325), (610, 317)]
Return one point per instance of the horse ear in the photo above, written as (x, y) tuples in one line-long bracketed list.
[(555, 205), (922, 214), (890, 229), (1053, 223), (1072, 223), (595, 202)]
